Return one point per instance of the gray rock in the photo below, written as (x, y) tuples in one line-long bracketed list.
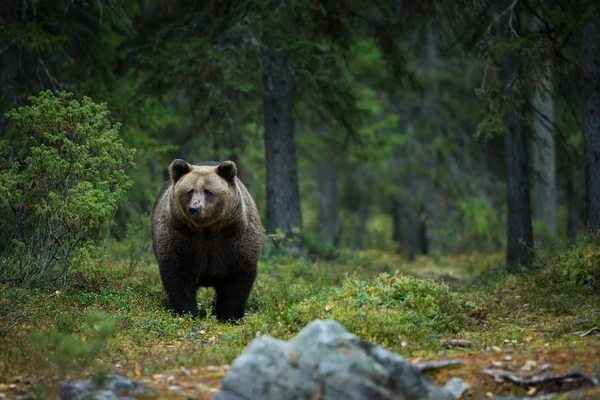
[(324, 361), (456, 387), (107, 387)]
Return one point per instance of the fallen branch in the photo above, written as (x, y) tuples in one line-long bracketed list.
[(572, 379), (428, 366), (595, 330), (4, 330)]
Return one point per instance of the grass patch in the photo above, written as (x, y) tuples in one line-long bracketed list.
[(113, 321)]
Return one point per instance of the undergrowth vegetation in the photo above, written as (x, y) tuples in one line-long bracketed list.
[(117, 320)]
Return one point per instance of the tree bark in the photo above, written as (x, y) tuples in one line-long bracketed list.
[(9, 61), (519, 230), (397, 224), (362, 217), (427, 213), (411, 226), (283, 197), (543, 147), (329, 204), (573, 207), (590, 114), (423, 235)]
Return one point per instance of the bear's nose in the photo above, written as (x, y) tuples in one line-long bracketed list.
[(194, 211)]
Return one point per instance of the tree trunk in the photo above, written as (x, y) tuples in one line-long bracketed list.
[(423, 235), (397, 223), (590, 114), (363, 217), (283, 197), (543, 157), (9, 62), (328, 207), (519, 230), (410, 223), (428, 213), (573, 209)]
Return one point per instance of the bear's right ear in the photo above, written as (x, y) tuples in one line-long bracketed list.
[(178, 168), (227, 170)]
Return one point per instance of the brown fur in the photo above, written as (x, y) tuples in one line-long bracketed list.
[(206, 232)]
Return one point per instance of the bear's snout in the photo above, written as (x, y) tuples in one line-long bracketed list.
[(194, 211)]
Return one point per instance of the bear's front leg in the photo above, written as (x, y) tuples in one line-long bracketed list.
[(232, 297), (180, 286)]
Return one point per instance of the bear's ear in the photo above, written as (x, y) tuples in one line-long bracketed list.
[(227, 170), (178, 168)]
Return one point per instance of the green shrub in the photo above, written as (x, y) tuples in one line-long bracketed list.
[(59, 187), (389, 310), (580, 265), (67, 350), (481, 227)]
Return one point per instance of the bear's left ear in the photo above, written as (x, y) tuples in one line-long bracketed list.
[(178, 168), (227, 170)]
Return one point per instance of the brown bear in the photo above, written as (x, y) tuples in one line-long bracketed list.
[(206, 232)]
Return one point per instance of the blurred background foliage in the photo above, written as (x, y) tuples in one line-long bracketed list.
[(397, 107)]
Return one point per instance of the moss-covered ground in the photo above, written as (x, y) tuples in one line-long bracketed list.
[(110, 321)]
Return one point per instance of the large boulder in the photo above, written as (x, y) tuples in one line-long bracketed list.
[(324, 361)]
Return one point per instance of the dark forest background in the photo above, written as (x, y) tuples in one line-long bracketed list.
[(415, 127)]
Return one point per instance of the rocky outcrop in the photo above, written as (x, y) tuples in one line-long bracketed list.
[(324, 361)]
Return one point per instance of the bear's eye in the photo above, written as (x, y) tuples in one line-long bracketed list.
[(190, 193), (208, 194)]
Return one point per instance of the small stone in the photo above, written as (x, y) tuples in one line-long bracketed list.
[(507, 358), (546, 367), (456, 387), (528, 366), (105, 387), (579, 322), (173, 388), (496, 349), (497, 364)]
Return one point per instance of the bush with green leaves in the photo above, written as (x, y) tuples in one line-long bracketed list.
[(69, 351), (60, 184)]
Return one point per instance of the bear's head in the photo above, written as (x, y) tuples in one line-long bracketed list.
[(203, 195)]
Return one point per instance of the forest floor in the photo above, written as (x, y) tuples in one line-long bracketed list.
[(432, 309)]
